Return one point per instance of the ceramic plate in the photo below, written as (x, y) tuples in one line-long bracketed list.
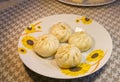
[(92, 60), (87, 2)]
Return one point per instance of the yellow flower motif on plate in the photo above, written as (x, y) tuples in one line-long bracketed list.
[(78, 20), (22, 50), (39, 27), (95, 55), (81, 69), (30, 29), (28, 41), (86, 20)]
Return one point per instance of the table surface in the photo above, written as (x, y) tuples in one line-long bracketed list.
[(14, 19), (7, 3)]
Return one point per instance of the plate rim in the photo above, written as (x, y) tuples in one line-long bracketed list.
[(87, 5)]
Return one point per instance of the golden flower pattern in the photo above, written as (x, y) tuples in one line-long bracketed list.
[(30, 29), (33, 28), (22, 50), (39, 27), (84, 20), (78, 20), (95, 55), (28, 41), (81, 69)]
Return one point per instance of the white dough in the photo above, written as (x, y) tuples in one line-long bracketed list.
[(68, 56), (62, 31), (81, 40), (46, 45)]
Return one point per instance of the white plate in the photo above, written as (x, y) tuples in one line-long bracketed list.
[(86, 3), (47, 66)]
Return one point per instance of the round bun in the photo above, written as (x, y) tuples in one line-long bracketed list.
[(62, 31), (46, 45), (81, 40), (68, 56)]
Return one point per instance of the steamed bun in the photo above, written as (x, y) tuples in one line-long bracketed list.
[(46, 45), (81, 40), (62, 31), (68, 56)]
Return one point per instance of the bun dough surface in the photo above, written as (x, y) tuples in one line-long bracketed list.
[(46, 45), (81, 40), (68, 56), (62, 31)]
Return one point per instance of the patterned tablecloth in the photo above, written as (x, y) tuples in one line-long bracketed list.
[(14, 19)]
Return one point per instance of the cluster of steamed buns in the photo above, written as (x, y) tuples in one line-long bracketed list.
[(67, 55)]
